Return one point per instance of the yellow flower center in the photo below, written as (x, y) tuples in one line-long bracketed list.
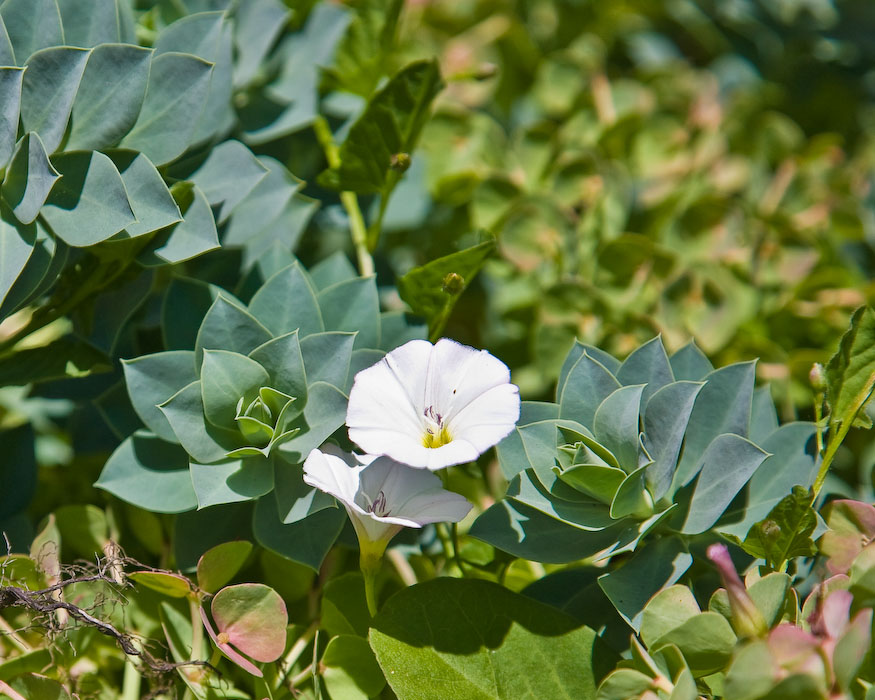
[(436, 433)]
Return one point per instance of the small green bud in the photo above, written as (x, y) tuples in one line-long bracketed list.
[(485, 71), (453, 284), (400, 162), (817, 377)]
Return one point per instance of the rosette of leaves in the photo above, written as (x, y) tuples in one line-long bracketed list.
[(641, 457), (231, 419), (115, 159)]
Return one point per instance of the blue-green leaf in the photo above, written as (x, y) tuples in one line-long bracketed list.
[(194, 235), (353, 306), (327, 357), (16, 246), (227, 176), (287, 302), (32, 25), (690, 363), (150, 473), (226, 377), (647, 364), (152, 379), (185, 413), (29, 178), (324, 414), (232, 481), (588, 384), (110, 96), (10, 102), (89, 203), (228, 327), (149, 197), (91, 22), (616, 425), (47, 92), (284, 362), (258, 23), (178, 86), (657, 566), (728, 464)]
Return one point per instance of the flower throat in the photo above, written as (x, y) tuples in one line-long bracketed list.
[(436, 433)]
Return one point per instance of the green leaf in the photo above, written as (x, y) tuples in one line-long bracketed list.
[(706, 641), (196, 34), (668, 609), (305, 541), (325, 412), (227, 176), (231, 482), (615, 425), (29, 178), (17, 242), (597, 480), (769, 594), (10, 102), (332, 270), (47, 92), (89, 203), (171, 585), (110, 96), (34, 687), (624, 683), (228, 327), (295, 499), (763, 415), (149, 197), (287, 302), (632, 498), (390, 124), (350, 669), (175, 96), (722, 406), (194, 235), (690, 363), (587, 384), (32, 25), (226, 377), (18, 470), (152, 379), (46, 259), (282, 359), (84, 530), (850, 373), (353, 306), (728, 465), (219, 564), (647, 364), (653, 568), (666, 416), (607, 361), (344, 609), (60, 359), (149, 473), (327, 357), (478, 640), (28, 662), (786, 532), (526, 488), (432, 293)]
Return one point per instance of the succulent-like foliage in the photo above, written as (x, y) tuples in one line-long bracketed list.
[(637, 456), (233, 418)]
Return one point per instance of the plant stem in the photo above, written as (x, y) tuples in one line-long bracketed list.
[(369, 572), (197, 629), (357, 229), (131, 682), (7, 690), (294, 653)]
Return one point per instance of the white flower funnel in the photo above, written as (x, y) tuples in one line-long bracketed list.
[(381, 495), (432, 406)]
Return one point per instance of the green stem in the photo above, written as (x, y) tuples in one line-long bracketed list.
[(369, 572), (131, 682), (818, 417), (197, 629), (295, 653), (357, 229), (216, 657)]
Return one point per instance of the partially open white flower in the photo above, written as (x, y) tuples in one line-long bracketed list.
[(432, 405), (381, 495)]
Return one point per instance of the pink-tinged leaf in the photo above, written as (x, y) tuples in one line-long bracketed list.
[(836, 612), (255, 619), (172, 585), (851, 527), (795, 650), (218, 565), (852, 648), (228, 651)]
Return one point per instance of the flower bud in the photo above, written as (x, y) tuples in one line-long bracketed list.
[(747, 620), (453, 284), (400, 162), (817, 377)]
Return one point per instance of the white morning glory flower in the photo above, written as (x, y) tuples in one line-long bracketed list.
[(432, 405), (381, 495)]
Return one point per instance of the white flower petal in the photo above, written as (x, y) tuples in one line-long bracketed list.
[(489, 418), (458, 374), (432, 406), (436, 506), (332, 474)]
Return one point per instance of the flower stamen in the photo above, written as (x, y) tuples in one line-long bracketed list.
[(378, 507), (436, 433)]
